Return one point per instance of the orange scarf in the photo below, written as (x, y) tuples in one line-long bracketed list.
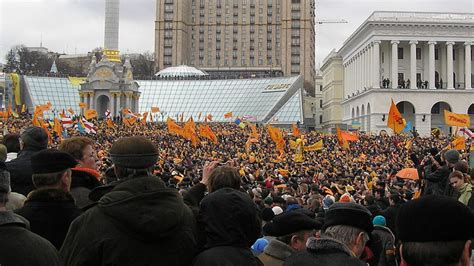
[(92, 172)]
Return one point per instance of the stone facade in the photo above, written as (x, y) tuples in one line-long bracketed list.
[(423, 61), (241, 35), (332, 93)]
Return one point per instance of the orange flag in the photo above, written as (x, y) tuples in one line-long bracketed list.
[(458, 120), (155, 110), (349, 136), (228, 115), (82, 105), (57, 127), (173, 127), (145, 116), (395, 120), (90, 113), (277, 136), (110, 123), (343, 142), (205, 131), (296, 130), (459, 143), (71, 111), (254, 133)]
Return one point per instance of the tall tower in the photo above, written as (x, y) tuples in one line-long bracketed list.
[(112, 9)]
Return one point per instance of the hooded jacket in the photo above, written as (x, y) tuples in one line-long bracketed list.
[(324, 251), (83, 182), (229, 218), (20, 247), (138, 222)]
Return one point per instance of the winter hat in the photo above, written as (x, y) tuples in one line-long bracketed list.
[(379, 220), (5, 182), (51, 161), (328, 200), (351, 214), (35, 137), (434, 218), (291, 222), (277, 210), (452, 156), (134, 152), (267, 214), (268, 200)]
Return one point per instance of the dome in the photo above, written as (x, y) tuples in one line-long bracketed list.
[(181, 71)]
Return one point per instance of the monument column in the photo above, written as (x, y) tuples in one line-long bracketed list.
[(413, 64), (394, 77), (467, 65), (449, 64)]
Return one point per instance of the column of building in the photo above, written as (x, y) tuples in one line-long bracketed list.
[(449, 64), (431, 64), (371, 66), (467, 65), (118, 106), (394, 77), (413, 64), (376, 64), (81, 96), (460, 60), (92, 100)]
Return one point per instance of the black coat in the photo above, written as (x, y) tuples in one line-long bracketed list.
[(20, 171), (50, 213), (324, 251), (137, 222), (390, 215), (437, 182), (20, 247), (231, 224), (81, 185), (382, 243)]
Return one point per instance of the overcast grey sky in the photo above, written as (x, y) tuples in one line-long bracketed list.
[(77, 26)]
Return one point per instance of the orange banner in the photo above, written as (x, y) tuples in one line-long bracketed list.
[(395, 120), (90, 113), (458, 120)]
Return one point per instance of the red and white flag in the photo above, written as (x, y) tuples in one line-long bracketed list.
[(67, 122), (467, 132), (89, 127), (107, 113)]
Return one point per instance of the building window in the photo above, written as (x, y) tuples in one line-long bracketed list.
[(320, 119), (400, 53), (418, 53), (320, 103), (320, 87), (436, 54)]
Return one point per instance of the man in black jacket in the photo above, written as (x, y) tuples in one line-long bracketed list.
[(50, 208), (137, 221), (19, 246), (33, 140), (437, 175)]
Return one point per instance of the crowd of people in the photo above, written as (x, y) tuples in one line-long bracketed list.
[(138, 195)]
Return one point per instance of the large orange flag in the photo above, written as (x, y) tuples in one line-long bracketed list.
[(458, 120), (144, 117), (57, 127), (90, 113), (395, 120), (110, 123), (206, 132), (173, 127), (228, 115), (277, 137), (342, 141)]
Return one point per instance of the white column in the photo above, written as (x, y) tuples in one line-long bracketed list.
[(449, 64), (431, 65), (118, 107), (88, 100), (460, 59), (467, 65), (356, 71), (376, 65), (394, 77), (366, 66), (371, 66), (93, 100), (413, 64)]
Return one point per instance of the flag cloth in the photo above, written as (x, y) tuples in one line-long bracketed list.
[(110, 123), (130, 121), (296, 130), (458, 120), (209, 117), (45, 127), (70, 111), (16, 87), (459, 143), (254, 133), (277, 136), (67, 122), (315, 147), (173, 128), (342, 142), (90, 113), (80, 127), (395, 120), (155, 110), (205, 131), (57, 127), (228, 115), (407, 128), (82, 105), (88, 126), (189, 131), (299, 147), (467, 132), (107, 113), (144, 117), (471, 156), (23, 108), (408, 144)]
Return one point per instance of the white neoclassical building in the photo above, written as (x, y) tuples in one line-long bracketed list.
[(423, 61)]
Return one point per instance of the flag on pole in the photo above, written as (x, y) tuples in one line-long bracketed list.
[(67, 122), (458, 120), (315, 147), (155, 110), (82, 105), (296, 130), (228, 115), (205, 131), (70, 111), (107, 113), (89, 127), (110, 123), (90, 113), (395, 120), (144, 118)]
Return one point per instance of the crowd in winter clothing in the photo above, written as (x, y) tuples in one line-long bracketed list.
[(140, 196)]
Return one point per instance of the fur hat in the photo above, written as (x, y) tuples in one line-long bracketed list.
[(134, 152), (434, 218), (292, 222), (51, 161), (349, 213), (35, 137)]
